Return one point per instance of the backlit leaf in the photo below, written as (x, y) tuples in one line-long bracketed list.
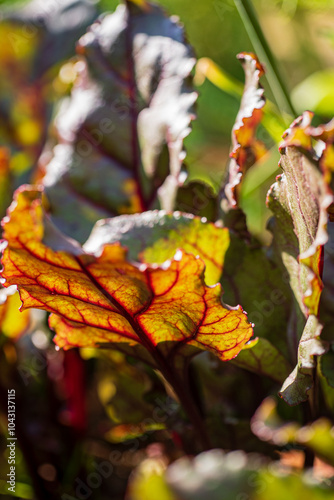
[(155, 236), (166, 312), (246, 148)]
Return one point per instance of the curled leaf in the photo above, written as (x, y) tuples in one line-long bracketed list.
[(246, 149), (318, 142), (297, 134), (300, 200)]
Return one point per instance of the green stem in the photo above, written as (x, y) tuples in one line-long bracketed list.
[(255, 33)]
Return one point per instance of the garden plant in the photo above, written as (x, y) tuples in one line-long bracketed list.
[(163, 349)]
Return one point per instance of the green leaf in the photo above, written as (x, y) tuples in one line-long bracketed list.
[(251, 276), (296, 387), (121, 134), (300, 199), (261, 357), (318, 258), (198, 198), (295, 199), (153, 238)]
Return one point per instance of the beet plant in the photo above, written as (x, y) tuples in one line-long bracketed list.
[(186, 333)]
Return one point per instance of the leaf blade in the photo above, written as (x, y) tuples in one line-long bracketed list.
[(106, 299), (155, 236), (300, 199), (122, 131), (246, 149)]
